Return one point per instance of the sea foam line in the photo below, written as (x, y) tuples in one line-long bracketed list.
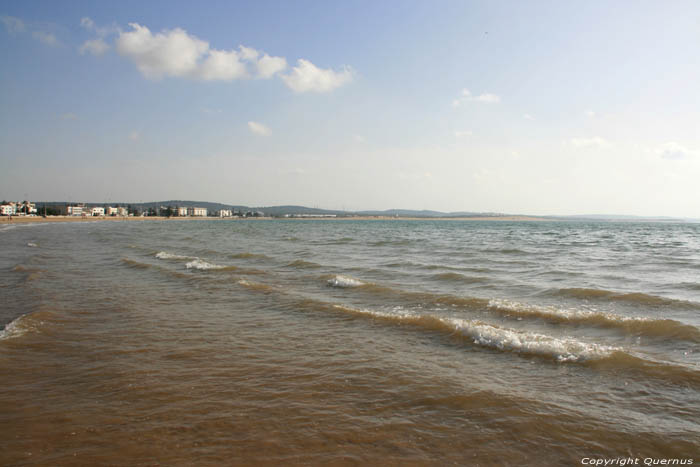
[(488, 335), (202, 265), (15, 328), (166, 255), (344, 282), (635, 324)]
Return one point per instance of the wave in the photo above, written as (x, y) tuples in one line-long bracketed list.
[(24, 324), (344, 282), (246, 255), (256, 286), (495, 337), (651, 327), (8, 227), (401, 242), (666, 371), (135, 264), (166, 255), (456, 277), (637, 298), (13, 329), (639, 325), (301, 264), (32, 245), (340, 241), (202, 265)]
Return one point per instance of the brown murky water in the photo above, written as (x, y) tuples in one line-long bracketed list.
[(397, 343)]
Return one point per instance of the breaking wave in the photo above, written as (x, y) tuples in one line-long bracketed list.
[(344, 282), (638, 325), (636, 298), (24, 324), (495, 337), (166, 255), (202, 265)]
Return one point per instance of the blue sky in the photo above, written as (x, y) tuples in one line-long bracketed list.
[(518, 107)]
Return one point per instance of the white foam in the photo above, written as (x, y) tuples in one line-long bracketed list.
[(559, 313), (32, 245), (562, 349), (166, 255), (202, 265), (13, 329), (488, 335), (344, 282), (8, 227)]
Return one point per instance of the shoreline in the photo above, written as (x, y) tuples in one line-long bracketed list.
[(5, 220)]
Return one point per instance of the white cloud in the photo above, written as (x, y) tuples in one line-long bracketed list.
[(463, 133), (259, 129), (674, 151), (267, 66), (69, 116), (589, 113), (359, 138), (222, 65), (87, 23), (467, 96), (169, 53), (135, 135), (248, 53), (307, 77), (596, 141), (490, 98), (95, 47), (104, 31), (528, 117), (175, 53), (46, 38), (12, 24)]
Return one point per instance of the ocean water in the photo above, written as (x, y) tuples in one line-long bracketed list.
[(348, 342)]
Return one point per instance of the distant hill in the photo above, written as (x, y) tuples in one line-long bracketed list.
[(290, 210)]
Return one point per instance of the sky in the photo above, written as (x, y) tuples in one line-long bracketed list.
[(541, 108)]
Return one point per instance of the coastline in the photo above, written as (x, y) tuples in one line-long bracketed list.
[(40, 219)]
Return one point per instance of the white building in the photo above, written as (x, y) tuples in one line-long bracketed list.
[(110, 211), (123, 212), (225, 213), (182, 211), (197, 212), (98, 211), (7, 209), (76, 210)]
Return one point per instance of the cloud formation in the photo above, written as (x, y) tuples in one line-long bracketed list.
[(12, 25), (307, 77), (175, 53), (45, 37), (15, 26), (259, 129), (467, 96), (674, 151), (94, 47)]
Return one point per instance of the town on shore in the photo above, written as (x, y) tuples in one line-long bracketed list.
[(27, 208)]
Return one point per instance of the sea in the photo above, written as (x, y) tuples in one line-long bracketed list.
[(349, 342)]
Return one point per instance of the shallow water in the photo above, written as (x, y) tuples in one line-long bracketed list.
[(393, 342)]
